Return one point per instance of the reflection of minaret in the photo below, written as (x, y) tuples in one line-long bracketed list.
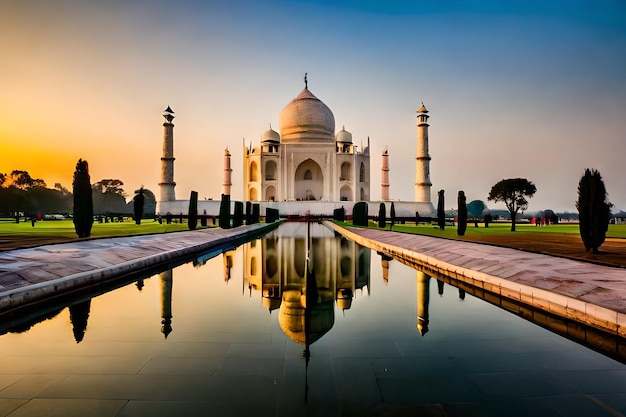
[(166, 302), (423, 296), (226, 183), (440, 287), (167, 183), (422, 163), (384, 260), (384, 183), (228, 264), (79, 314)]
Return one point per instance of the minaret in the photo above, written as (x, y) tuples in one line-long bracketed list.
[(226, 182), (167, 183), (384, 183), (422, 163)]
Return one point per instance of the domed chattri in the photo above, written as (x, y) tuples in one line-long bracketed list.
[(270, 136), (306, 118), (344, 136)]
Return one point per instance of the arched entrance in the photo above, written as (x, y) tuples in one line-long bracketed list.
[(309, 181), (270, 193), (345, 194)]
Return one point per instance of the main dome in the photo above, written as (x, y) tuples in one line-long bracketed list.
[(306, 118)]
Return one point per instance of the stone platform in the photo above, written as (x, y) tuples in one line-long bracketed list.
[(591, 294)]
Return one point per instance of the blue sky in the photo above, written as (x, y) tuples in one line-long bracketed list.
[(530, 89)]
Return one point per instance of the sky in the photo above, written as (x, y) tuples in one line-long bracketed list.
[(533, 89)]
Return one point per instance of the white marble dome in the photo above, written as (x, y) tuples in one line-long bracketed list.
[(270, 136), (344, 136), (306, 118)]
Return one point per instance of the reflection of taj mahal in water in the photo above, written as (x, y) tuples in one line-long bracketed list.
[(276, 267)]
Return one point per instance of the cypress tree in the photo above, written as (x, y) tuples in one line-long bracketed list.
[(441, 213), (594, 210), (392, 216), (339, 214), (83, 203), (256, 213), (138, 204), (382, 216), (462, 209), (192, 215)]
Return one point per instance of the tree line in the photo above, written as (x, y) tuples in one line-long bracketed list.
[(21, 193)]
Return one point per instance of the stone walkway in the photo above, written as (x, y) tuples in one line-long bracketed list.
[(588, 293), (28, 275)]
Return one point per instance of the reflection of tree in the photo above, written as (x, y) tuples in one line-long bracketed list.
[(79, 314), (26, 325)]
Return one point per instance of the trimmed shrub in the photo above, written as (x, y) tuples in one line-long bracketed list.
[(462, 209), (248, 212), (441, 212), (238, 216), (192, 215), (392, 216), (256, 213), (359, 214), (225, 212), (271, 215), (382, 216), (339, 214)]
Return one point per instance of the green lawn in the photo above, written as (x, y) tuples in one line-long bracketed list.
[(615, 230), (65, 228)]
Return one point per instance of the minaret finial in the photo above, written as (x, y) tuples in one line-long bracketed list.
[(306, 82)]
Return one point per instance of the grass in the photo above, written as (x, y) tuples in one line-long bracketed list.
[(615, 230), (13, 235), (558, 240)]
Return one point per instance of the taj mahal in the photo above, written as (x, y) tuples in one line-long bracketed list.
[(306, 167)]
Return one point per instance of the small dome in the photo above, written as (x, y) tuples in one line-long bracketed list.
[(422, 109), (306, 118), (270, 136), (343, 135)]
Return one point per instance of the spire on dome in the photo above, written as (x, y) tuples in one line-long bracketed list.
[(306, 83)]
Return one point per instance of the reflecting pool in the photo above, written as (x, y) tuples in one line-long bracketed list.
[(260, 331)]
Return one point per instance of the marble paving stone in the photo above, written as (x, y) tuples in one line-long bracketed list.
[(30, 386), (255, 350), (251, 366), (7, 405), (579, 406), (595, 381), (424, 389), (615, 402), (520, 384), (181, 366), (69, 408), (8, 379)]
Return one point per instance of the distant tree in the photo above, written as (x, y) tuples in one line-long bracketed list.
[(271, 215), (382, 216), (462, 214), (23, 180), (513, 192), (488, 219), (551, 216), (475, 208), (248, 215), (441, 212), (138, 203), (192, 215), (83, 204), (594, 210), (113, 186), (60, 188), (392, 216), (3, 178)]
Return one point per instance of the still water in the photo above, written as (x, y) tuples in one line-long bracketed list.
[(243, 334)]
